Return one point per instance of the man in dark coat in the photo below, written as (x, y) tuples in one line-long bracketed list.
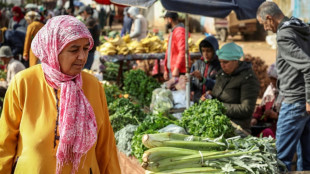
[(93, 27)]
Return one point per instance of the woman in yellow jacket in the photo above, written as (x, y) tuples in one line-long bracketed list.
[(34, 25), (55, 117)]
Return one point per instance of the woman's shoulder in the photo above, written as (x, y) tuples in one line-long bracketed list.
[(89, 79)]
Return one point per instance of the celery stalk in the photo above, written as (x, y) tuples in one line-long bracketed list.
[(190, 160)]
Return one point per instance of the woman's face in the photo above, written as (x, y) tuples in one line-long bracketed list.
[(229, 66), (15, 14), (74, 56)]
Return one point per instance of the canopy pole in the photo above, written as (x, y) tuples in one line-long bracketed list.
[(186, 62)]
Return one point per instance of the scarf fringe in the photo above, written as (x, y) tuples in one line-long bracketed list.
[(68, 157)]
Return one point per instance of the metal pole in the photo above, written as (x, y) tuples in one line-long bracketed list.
[(186, 62)]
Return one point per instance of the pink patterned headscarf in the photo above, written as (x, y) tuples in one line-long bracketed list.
[(77, 122)]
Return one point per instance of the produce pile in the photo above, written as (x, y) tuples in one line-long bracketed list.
[(207, 119), (110, 71), (177, 153), (151, 124), (112, 92), (2, 75), (123, 112), (150, 44), (137, 84), (125, 46), (260, 69)]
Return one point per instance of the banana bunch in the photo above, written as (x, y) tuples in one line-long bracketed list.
[(192, 47), (107, 49), (152, 44), (116, 41), (126, 38), (140, 49), (89, 71), (136, 47), (122, 49)]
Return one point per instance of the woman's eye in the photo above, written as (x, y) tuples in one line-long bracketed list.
[(85, 49), (73, 51)]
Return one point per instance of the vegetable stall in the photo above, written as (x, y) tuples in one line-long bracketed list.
[(203, 140)]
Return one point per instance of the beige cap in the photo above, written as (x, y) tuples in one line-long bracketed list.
[(5, 52)]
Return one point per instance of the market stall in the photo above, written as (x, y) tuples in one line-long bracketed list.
[(141, 56)]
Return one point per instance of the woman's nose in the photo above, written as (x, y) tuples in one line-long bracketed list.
[(83, 55)]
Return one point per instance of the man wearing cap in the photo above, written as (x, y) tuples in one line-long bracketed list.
[(12, 66), (87, 13), (175, 54), (236, 86)]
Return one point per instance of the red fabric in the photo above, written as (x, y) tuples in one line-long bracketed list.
[(259, 112), (268, 132), (19, 11), (177, 51), (105, 2), (205, 75)]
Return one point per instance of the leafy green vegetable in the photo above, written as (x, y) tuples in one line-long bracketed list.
[(140, 86), (111, 92), (123, 138), (150, 125), (110, 71), (207, 119), (259, 156), (2, 74), (123, 112)]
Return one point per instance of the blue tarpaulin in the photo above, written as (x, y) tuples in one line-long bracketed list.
[(244, 9)]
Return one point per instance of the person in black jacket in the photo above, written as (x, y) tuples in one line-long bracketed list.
[(14, 39), (93, 27), (204, 70)]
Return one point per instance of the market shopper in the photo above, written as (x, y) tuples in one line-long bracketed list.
[(14, 39), (12, 67), (293, 67), (203, 71), (55, 117), (127, 23), (236, 86), (139, 30), (4, 20), (93, 27), (18, 21), (175, 54), (267, 112), (34, 25)]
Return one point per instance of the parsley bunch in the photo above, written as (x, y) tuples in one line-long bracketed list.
[(207, 119), (140, 86)]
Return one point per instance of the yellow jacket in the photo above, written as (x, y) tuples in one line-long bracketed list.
[(32, 30), (28, 122)]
